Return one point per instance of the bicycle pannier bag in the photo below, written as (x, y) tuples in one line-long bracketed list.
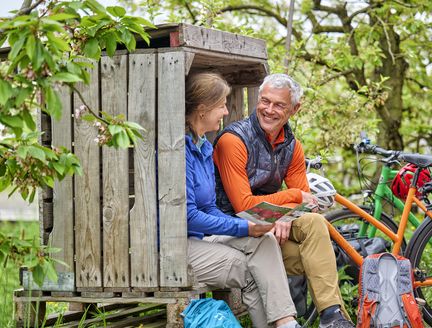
[(386, 293), (209, 313)]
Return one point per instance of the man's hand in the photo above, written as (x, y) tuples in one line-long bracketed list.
[(282, 231), (257, 230), (310, 199)]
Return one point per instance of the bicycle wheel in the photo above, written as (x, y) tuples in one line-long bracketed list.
[(419, 251), (344, 218)]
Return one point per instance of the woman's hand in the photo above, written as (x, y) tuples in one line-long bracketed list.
[(257, 230)]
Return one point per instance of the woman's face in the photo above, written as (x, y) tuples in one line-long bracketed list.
[(212, 116)]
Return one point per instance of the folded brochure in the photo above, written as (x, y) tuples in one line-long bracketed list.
[(266, 213)]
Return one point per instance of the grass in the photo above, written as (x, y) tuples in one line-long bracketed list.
[(9, 272)]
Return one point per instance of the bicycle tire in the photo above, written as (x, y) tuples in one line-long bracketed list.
[(345, 213), (419, 251)]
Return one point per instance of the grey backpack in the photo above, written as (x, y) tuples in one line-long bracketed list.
[(386, 293)]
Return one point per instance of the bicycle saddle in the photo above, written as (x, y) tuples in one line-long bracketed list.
[(421, 161)]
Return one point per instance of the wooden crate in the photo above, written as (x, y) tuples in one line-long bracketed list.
[(121, 226)]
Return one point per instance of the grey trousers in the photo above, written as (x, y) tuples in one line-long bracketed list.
[(253, 264)]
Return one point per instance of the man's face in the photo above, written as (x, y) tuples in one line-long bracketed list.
[(274, 108)]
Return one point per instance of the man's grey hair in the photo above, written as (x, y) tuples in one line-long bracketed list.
[(281, 81)]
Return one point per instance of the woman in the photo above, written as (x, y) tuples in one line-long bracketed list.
[(225, 251)]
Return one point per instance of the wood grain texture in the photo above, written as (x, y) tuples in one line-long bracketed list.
[(215, 40), (171, 170), (143, 215), (252, 97), (235, 106), (115, 179), (88, 248), (62, 235)]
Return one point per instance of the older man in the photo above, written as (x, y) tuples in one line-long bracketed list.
[(253, 158)]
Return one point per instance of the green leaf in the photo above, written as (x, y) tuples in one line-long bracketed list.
[(61, 16), (17, 46), (5, 91), (141, 20), (12, 121), (134, 125), (111, 44), (53, 103), (88, 117), (38, 275), (121, 139), (38, 58), (95, 6), (49, 181), (5, 182), (59, 168), (36, 153), (50, 271), (114, 129), (2, 170), (22, 95), (66, 77), (30, 46), (116, 11), (59, 43), (92, 49), (22, 151), (28, 119), (32, 195)]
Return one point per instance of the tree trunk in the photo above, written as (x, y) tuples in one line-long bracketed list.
[(394, 67)]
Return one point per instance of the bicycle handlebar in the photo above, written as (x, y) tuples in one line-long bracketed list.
[(314, 163), (393, 156)]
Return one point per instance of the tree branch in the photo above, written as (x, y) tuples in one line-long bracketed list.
[(74, 89), (262, 12), (191, 13), (387, 39), (27, 7), (335, 76)]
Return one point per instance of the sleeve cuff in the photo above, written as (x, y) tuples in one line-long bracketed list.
[(243, 228)]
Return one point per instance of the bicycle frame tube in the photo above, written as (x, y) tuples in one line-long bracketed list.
[(355, 209), (383, 191), (404, 219)]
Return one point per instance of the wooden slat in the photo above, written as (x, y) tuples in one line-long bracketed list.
[(115, 179), (215, 40), (252, 94), (235, 106), (88, 248), (171, 170), (62, 235), (143, 215)]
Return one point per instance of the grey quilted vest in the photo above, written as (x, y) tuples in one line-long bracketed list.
[(266, 167)]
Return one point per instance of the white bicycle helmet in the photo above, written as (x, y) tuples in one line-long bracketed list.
[(322, 189)]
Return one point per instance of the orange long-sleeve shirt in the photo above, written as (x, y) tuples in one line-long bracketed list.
[(230, 157)]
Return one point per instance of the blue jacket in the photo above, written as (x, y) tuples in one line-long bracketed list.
[(203, 217)]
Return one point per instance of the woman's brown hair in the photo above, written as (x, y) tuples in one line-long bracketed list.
[(204, 88)]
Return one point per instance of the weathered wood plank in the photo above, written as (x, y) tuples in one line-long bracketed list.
[(235, 106), (62, 235), (252, 97), (143, 215), (115, 179), (215, 40), (171, 170), (88, 248)]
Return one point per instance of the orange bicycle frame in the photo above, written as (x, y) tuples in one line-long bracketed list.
[(397, 237)]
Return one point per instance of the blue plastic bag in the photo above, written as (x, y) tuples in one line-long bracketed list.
[(209, 313)]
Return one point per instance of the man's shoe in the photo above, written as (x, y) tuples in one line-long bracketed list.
[(336, 320)]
